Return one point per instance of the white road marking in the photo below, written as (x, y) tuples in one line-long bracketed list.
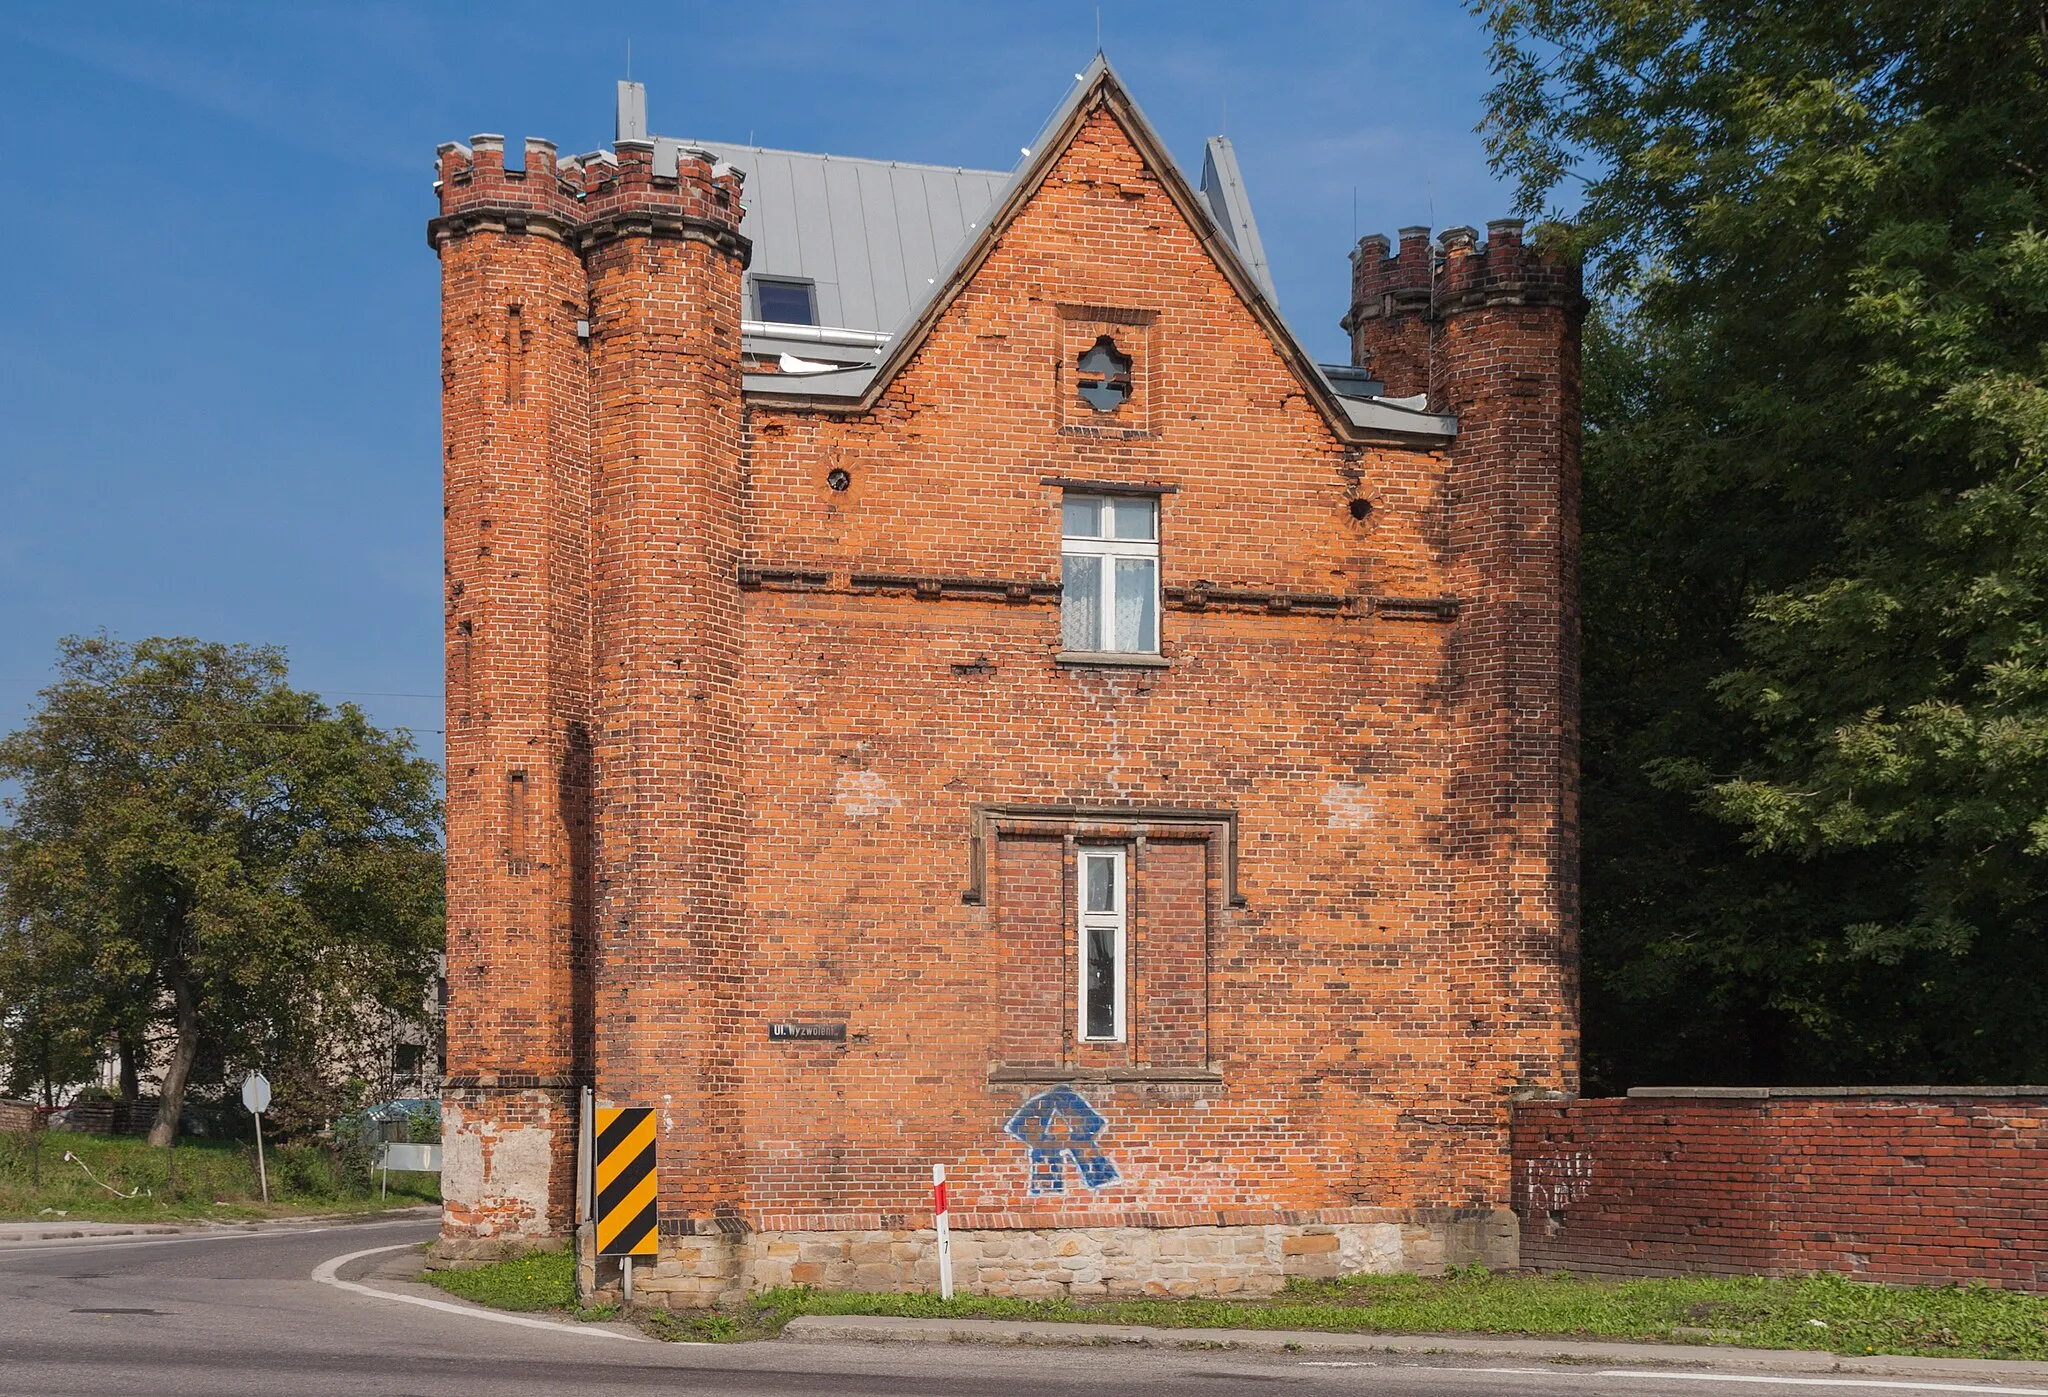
[(326, 1274), (1895, 1386), (1434, 1368)]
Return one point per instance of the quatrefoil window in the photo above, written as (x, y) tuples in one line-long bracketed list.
[(1105, 376)]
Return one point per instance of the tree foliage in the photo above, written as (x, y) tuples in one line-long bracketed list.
[(1816, 524), (202, 856)]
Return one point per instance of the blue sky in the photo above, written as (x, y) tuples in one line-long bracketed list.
[(219, 404)]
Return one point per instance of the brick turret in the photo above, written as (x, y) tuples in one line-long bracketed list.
[(1505, 359), (665, 300), (590, 386), (1389, 317), (1490, 332), (515, 408)]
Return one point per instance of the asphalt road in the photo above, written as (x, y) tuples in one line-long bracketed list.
[(243, 1314)]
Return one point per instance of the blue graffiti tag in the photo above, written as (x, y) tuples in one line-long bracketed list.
[(1058, 1124)]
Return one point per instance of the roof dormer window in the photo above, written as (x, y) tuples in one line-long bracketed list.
[(785, 302)]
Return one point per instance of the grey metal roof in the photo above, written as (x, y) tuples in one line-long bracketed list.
[(884, 242), (872, 234), (1405, 415), (1223, 189)]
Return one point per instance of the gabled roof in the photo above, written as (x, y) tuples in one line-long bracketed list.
[(867, 232), (871, 235)]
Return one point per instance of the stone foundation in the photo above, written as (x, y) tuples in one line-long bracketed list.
[(697, 1270), (507, 1171)]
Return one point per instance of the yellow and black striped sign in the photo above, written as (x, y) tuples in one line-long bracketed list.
[(625, 1181)]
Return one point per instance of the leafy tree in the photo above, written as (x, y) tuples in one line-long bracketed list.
[(1816, 523), (202, 852), (44, 1041)]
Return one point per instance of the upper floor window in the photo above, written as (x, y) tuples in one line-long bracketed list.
[(1104, 376), (1109, 571), (785, 302)]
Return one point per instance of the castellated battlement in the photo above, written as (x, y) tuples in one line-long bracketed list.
[(1404, 297), (655, 187), (1460, 273)]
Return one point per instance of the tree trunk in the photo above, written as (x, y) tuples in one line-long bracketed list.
[(130, 1048), (182, 1056)]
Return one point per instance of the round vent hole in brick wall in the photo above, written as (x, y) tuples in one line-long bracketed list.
[(838, 478), (1360, 508)]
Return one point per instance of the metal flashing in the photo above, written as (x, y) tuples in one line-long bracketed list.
[(843, 384), (1385, 415)]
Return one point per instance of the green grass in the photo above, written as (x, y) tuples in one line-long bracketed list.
[(198, 1179), (1818, 1312), (537, 1281)]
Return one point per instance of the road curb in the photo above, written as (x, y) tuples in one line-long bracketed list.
[(71, 1232), (328, 1272), (1713, 1358), (29, 1233)]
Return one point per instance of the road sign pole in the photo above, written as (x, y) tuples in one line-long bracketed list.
[(256, 1096), (945, 1232), (626, 1281), (262, 1174), (584, 1202)]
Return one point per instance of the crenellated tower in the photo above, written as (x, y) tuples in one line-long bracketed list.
[(1389, 321), (1490, 332), (590, 382), (665, 258)]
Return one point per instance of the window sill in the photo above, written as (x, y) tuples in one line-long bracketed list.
[(1112, 659), (1203, 1075)]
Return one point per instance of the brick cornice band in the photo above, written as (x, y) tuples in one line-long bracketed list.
[(585, 236)]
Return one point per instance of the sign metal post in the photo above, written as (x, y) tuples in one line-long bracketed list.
[(256, 1096)]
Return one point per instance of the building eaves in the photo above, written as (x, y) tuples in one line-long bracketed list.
[(838, 386)]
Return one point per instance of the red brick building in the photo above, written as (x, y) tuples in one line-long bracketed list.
[(949, 614)]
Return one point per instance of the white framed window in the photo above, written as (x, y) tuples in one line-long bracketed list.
[(1102, 938), (1109, 574)]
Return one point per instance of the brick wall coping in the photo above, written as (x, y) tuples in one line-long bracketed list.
[(1790, 1093)]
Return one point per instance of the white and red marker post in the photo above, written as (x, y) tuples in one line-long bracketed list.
[(945, 1232)]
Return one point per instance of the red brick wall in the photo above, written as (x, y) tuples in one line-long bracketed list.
[(819, 796), (1904, 1188), (515, 409), (666, 526), (1374, 1002), (1391, 294), (1170, 953)]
